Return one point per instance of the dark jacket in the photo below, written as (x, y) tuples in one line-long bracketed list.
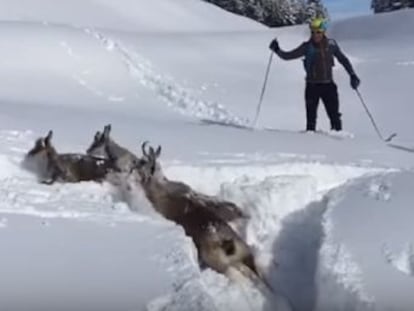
[(319, 59)]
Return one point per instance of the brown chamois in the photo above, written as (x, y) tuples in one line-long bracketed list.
[(125, 161), (105, 147), (219, 246), (67, 167), (226, 210)]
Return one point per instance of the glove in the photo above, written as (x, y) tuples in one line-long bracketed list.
[(274, 45), (355, 82)]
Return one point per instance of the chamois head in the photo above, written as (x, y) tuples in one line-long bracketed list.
[(100, 141), (148, 165), (42, 145), (37, 158)]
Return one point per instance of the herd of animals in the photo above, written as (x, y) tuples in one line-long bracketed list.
[(207, 220)]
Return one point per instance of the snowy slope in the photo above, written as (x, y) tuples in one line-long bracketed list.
[(153, 69), (369, 251), (129, 15)]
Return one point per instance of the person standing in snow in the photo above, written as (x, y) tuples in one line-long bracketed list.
[(319, 52)]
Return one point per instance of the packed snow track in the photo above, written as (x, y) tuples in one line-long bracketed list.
[(286, 202)]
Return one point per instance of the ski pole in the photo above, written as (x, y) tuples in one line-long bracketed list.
[(263, 89), (373, 121)]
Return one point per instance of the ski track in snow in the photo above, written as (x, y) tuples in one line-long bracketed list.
[(284, 227), (406, 63), (402, 260), (279, 220), (172, 93), (21, 194), (343, 281)]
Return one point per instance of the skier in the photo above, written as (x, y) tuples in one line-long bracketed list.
[(319, 52)]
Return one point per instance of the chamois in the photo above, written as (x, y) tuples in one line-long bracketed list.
[(226, 210), (125, 161), (219, 246), (67, 167), (104, 146)]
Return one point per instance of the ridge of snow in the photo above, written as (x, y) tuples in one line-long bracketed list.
[(137, 15)]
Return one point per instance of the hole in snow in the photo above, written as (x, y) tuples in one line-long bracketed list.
[(286, 206), (402, 260), (380, 190)]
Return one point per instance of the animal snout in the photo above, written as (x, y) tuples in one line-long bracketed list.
[(228, 247)]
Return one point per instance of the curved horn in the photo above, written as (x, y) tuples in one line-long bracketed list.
[(98, 136), (158, 151), (106, 131), (48, 137), (144, 152)]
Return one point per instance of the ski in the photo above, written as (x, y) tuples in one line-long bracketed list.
[(226, 124), (333, 135), (401, 147)]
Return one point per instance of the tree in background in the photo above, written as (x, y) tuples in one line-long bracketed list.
[(380, 6), (315, 8), (275, 13)]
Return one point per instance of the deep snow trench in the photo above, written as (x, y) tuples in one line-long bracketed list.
[(286, 203)]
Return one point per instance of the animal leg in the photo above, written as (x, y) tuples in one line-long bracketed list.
[(236, 276), (257, 277), (48, 181), (281, 302), (52, 179)]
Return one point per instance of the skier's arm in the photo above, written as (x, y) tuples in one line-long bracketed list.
[(293, 54), (355, 82), (341, 57), (296, 53)]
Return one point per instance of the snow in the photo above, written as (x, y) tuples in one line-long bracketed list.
[(374, 260), (136, 15), (330, 215)]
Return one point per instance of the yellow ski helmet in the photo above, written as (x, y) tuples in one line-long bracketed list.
[(318, 24)]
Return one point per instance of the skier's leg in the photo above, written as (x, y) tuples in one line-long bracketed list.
[(330, 100), (312, 100)]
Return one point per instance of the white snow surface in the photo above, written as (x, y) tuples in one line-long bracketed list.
[(333, 212)]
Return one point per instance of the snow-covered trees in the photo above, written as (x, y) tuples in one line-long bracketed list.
[(379, 6), (275, 12), (315, 8)]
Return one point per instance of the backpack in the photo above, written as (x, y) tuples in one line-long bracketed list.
[(311, 51)]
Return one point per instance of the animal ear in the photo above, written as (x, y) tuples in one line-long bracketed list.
[(107, 130), (158, 152), (48, 138), (97, 136), (40, 142), (39, 145)]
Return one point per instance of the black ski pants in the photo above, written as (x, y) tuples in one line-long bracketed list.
[(328, 92)]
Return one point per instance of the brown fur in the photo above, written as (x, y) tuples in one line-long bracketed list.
[(104, 146), (149, 167), (125, 161), (67, 167), (219, 246)]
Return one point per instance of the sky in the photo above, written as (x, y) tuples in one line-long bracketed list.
[(345, 8)]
